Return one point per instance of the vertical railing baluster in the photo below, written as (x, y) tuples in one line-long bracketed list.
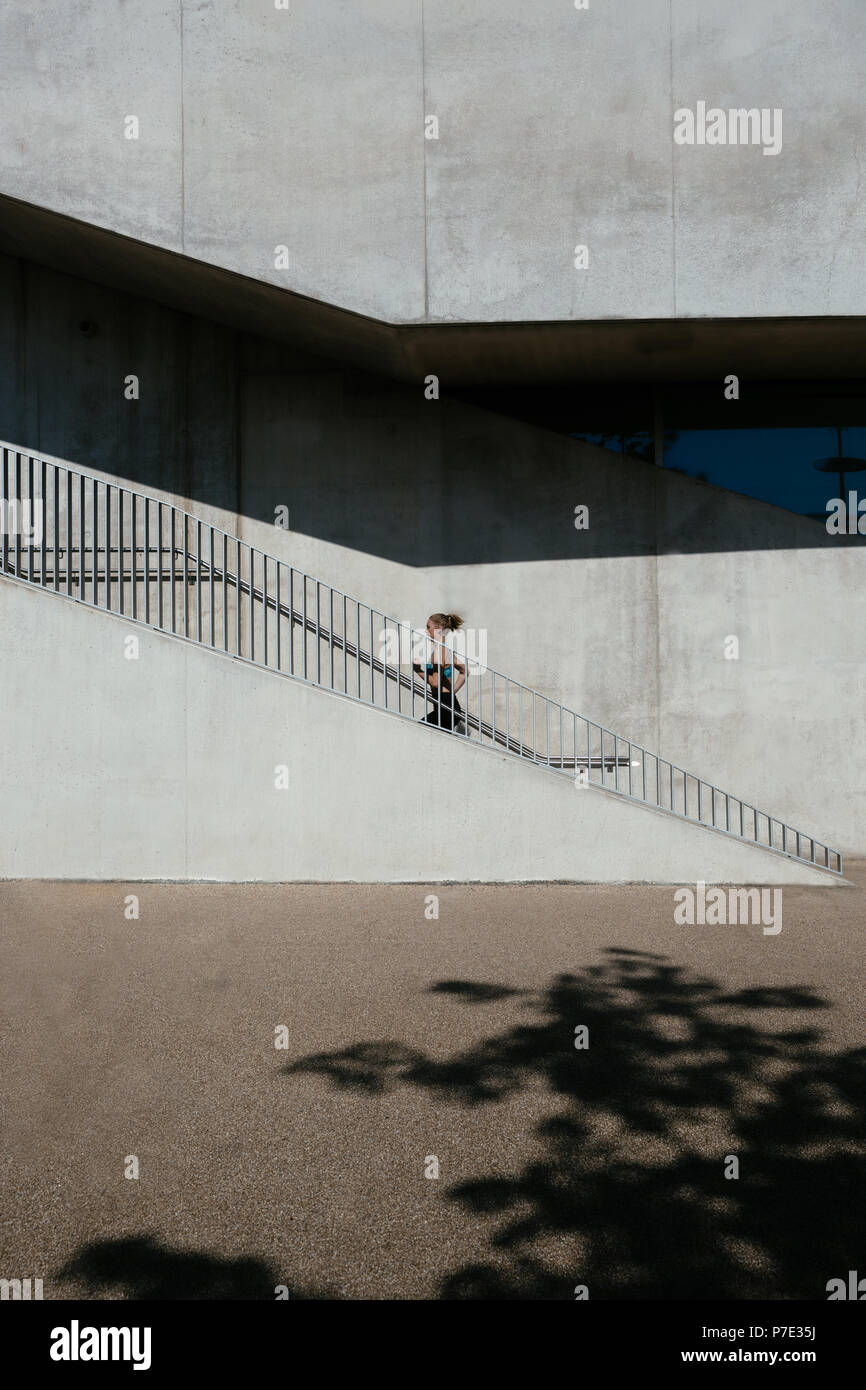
[(331, 636), (120, 491), (94, 526), (185, 524), (108, 547), (82, 508), (68, 491), (29, 515), (146, 566), (304, 578), (18, 509), (318, 637), (252, 575), (43, 510), (291, 621), (264, 608), (279, 615), (237, 597), (211, 588), (225, 568), (160, 584), (4, 539), (198, 636), (59, 528), (520, 714), (55, 474), (133, 557)]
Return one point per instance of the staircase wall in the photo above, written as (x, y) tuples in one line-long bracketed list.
[(420, 505), (165, 767)]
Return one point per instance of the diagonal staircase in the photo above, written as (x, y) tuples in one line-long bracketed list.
[(139, 557)]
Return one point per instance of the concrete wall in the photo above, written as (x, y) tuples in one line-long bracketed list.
[(415, 506), (164, 767), (305, 128)]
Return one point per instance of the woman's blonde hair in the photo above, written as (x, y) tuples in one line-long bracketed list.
[(451, 621)]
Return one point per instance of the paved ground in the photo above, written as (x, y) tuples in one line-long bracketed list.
[(408, 1038)]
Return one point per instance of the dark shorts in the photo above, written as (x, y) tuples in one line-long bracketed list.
[(445, 712)]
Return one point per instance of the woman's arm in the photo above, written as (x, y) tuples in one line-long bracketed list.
[(460, 679), (431, 678)]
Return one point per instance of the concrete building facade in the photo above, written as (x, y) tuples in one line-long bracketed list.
[(311, 233)]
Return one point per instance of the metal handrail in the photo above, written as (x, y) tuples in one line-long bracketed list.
[(229, 579)]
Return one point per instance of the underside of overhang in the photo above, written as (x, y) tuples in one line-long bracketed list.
[(460, 354)]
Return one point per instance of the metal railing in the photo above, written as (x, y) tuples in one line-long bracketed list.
[(145, 559)]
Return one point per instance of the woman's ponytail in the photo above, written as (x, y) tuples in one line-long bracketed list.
[(451, 621)]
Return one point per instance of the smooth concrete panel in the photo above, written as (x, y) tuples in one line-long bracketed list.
[(781, 724), (303, 129), (70, 74), (77, 780), (371, 797), (553, 132), (772, 234)]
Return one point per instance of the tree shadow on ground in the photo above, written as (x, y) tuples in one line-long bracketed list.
[(629, 1188), (140, 1267)]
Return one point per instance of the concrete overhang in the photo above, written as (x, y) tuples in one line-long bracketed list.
[(461, 354)]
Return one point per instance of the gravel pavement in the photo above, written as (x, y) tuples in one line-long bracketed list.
[(288, 1067)]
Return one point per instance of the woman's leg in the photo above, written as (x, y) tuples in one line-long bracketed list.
[(440, 715)]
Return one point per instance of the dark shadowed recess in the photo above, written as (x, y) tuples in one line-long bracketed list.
[(254, 397), (679, 1074)]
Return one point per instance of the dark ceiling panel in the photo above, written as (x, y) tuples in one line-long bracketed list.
[(461, 354)]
